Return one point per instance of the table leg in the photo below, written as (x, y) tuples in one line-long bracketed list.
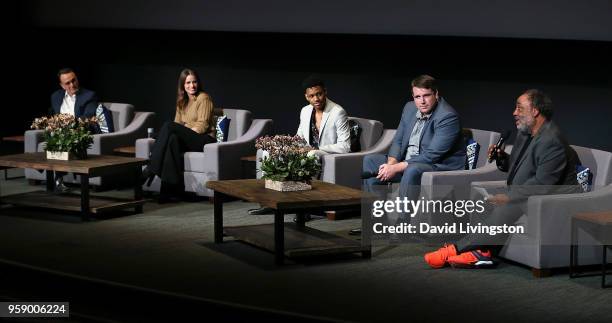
[(6, 175), (218, 215), (604, 260), (279, 237), (137, 189), (50, 180), (300, 220), (573, 249), (84, 197)]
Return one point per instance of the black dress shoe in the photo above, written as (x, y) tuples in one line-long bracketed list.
[(147, 177), (307, 217), (60, 187), (261, 210)]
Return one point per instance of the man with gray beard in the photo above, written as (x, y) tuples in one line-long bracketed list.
[(541, 163)]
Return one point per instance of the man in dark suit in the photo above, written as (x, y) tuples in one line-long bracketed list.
[(72, 99), (541, 163), (428, 138)]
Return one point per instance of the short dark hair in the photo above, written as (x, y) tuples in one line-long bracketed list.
[(540, 101), (65, 70), (425, 82), (312, 81)]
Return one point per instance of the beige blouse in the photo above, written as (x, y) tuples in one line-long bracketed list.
[(198, 114)]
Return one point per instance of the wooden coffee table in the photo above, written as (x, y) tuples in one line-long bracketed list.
[(599, 225), (289, 239), (93, 166), (15, 139)]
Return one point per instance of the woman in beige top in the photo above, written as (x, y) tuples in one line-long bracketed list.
[(193, 127)]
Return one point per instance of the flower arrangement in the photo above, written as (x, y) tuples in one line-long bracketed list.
[(288, 159), (65, 133)]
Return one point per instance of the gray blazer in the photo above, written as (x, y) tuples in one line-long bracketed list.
[(441, 145), (548, 161), (334, 136)]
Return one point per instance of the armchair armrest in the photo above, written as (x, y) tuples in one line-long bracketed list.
[(144, 147), (458, 180), (345, 169), (223, 158), (490, 184), (106, 142), (549, 216), (32, 139)]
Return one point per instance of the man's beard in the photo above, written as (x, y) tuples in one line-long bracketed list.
[(525, 126)]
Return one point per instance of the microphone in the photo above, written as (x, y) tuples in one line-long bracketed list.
[(499, 143), (366, 175)]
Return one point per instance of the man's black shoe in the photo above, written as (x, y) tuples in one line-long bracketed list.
[(60, 187), (146, 177), (355, 232), (307, 217), (261, 210)]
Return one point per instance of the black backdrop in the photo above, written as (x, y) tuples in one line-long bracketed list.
[(367, 74)]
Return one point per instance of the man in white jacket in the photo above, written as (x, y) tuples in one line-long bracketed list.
[(323, 124)]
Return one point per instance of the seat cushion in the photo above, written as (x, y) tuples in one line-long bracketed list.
[(195, 162)]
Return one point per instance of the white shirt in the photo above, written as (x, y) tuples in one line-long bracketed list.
[(68, 104)]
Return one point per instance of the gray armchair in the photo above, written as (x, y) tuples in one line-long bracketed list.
[(346, 169), (217, 161), (545, 244), (456, 184), (436, 185), (129, 125)]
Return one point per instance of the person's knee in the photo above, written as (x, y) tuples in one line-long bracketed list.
[(172, 140), (370, 163), (412, 175), (411, 172), (173, 127), (367, 160)]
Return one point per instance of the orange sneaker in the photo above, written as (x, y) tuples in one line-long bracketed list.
[(438, 258), (472, 259)]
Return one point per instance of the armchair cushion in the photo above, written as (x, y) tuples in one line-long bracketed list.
[(222, 131), (355, 131), (105, 119), (472, 150), (123, 114), (584, 177)]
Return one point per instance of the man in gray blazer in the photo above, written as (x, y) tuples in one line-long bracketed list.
[(541, 163), (323, 124), (428, 138)]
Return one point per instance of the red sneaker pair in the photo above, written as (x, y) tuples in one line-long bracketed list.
[(469, 259)]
